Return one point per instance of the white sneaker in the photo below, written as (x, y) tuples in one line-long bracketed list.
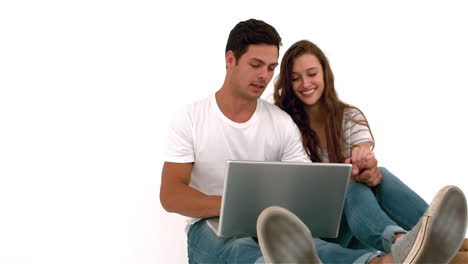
[(284, 238), (439, 233)]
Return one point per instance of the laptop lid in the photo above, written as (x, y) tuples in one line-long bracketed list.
[(315, 192)]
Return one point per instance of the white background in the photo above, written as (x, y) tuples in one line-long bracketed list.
[(87, 89)]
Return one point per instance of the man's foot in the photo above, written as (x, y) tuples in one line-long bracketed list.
[(284, 238), (439, 233)]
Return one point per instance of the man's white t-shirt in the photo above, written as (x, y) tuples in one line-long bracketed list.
[(202, 134)]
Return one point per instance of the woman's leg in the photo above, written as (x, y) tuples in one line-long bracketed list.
[(366, 219), (400, 203), (376, 214)]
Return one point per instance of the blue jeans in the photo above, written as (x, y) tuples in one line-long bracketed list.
[(205, 247), (371, 218)]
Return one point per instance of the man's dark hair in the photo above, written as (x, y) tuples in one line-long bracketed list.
[(249, 32)]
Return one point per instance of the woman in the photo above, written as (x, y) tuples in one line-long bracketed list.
[(379, 208)]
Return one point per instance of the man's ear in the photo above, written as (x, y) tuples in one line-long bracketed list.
[(230, 59)]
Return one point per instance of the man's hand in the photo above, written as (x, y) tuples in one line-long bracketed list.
[(370, 176), (365, 169)]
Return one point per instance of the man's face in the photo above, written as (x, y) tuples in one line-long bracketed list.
[(252, 72)]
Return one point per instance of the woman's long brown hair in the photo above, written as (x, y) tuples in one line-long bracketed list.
[(285, 98)]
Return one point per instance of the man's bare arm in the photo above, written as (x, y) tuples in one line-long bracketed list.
[(178, 197)]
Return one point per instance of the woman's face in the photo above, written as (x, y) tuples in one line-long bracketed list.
[(307, 79)]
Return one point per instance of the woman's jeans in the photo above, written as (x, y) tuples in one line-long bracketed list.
[(371, 218)]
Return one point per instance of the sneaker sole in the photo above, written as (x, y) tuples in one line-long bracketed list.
[(442, 230), (284, 238)]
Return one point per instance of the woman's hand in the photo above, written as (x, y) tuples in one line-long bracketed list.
[(364, 163), (360, 155)]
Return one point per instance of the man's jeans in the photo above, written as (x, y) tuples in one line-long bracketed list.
[(372, 216)]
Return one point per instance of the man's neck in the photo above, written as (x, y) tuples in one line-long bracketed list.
[(235, 107)]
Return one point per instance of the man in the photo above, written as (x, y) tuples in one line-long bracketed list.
[(234, 123)]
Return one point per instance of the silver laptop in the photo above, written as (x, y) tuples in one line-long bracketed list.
[(315, 192)]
